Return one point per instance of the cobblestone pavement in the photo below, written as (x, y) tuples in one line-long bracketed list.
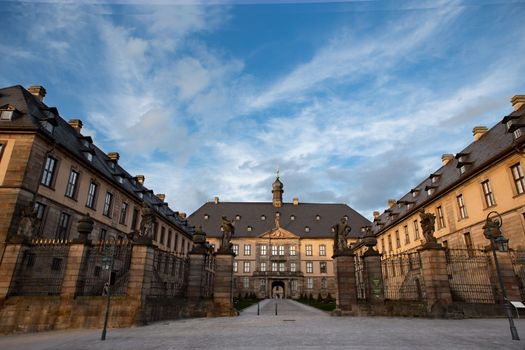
[(295, 327)]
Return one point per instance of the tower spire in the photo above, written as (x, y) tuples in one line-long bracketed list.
[(277, 191)]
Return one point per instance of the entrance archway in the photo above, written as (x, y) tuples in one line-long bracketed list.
[(278, 289)]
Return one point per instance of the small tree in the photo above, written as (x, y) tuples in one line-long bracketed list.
[(319, 297)]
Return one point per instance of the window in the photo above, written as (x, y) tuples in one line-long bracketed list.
[(103, 234), (170, 237), (63, 225), (107, 204), (123, 213), (2, 148), (56, 264), (49, 172), (263, 266), (324, 283), (440, 217), (235, 249), (306, 229), (468, 241), (322, 250), (416, 229), (246, 266), (249, 228), (263, 217), (71, 187), (461, 206), (206, 216), (382, 245), (293, 267), (318, 217), (264, 249), (281, 250), (293, 285), (162, 234), (389, 243), (274, 249), (246, 282), (293, 250), (322, 266), (308, 250), (92, 192), (309, 283), (6, 114), (398, 240), (292, 217), (134, 219), (487, 193), (247, 249), (237, 217), (274, 266), (235, 266), (517, 174), (407, 236), (282, 267), (309, 267), (39, 210)]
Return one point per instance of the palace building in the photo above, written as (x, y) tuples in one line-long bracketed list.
[(51, 175), (486, 176), (282, 249)]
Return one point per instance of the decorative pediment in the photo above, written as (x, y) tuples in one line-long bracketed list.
[(278, 233)]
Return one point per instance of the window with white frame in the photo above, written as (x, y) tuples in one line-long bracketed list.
[(309, 267), (293, 285), (124, 214), (246, 282), (247, 249), (281, 250), (416, 229), (440, 217), (309, 283), (398, 240), (322, 267), (517, 175), (108, 201), (235, 266), (322, 250), (293, 250), (63, 226), (308, 250), (49, 172), (282, 267), (71, 187), (293, 267), (461, 206), (487, 193), (274, 266), (264, 249), (274, 250), (263, 267), (92, 192), (235, 248), (246, 266)]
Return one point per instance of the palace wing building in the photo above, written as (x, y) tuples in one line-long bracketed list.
[(282, 249)]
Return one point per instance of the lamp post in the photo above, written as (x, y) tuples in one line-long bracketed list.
[(492, 231), (108, 261)]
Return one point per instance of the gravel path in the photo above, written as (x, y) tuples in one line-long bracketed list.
[(296, 326)]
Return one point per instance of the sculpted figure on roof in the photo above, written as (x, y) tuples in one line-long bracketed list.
[(341, 231), (228, 230), (427, 224)]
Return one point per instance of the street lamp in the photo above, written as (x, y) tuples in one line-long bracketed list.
[(492, 231)]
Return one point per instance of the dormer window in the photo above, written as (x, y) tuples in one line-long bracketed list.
[(249, 228), (318, 217), (206, 216), (277, 214), (120, 179), (517, 133), (263, 217), (463, 163), (48, 126), (306, 229), (88, 154), (434, 178), (414, 192), (430, 190), (7, 112), (345, 217), (237, 217), (409, 205), (292, 217)]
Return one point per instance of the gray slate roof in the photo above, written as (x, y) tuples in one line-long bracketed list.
[(251, 212), (31, 112), (491, 147)]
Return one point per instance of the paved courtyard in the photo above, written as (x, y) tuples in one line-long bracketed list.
[(295, 327)]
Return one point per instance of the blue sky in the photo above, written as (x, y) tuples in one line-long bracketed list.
[(354, 101)]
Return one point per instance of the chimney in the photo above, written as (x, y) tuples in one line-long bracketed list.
[(295, 200), (140, 179), (391, 203), (182, 215), (517, 101), (216, 200), (76, 124), (376, 215), (447, 157), (479, 131), (161, 196), (38, 91), (114, 156)]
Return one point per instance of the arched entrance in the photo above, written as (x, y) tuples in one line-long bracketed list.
[(278, 289)]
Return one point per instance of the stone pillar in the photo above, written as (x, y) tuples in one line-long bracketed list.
[(435, 278), (223, 284), (73, 269), (139, 282), (346, 296), (195, 275), (375, 292), (510, 281), (8, 267)]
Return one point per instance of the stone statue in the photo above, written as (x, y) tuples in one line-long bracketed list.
[(427, 224), (228, 230), (341, 231), (28, 223), (147, 223)]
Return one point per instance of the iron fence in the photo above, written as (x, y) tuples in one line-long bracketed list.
[(402, 276), (518, 263), (469, 276), (169, 274), (360, 277), (96, 268), (40, 268)]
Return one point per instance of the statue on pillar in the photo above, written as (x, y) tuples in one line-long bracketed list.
[(428, 225), (228, 230), (341, 231), (28, 224), (147, 224)]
